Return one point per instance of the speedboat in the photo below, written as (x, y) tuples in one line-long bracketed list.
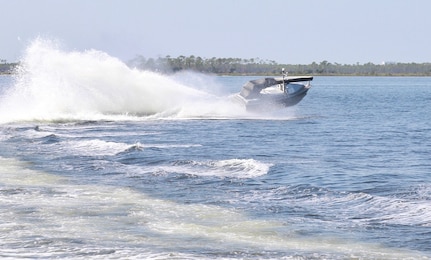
[(273, 93)]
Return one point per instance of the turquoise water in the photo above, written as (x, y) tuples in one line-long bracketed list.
[(89, 169)]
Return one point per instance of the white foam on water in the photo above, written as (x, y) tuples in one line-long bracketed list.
[(46, 216), (230, 168), (14, 172), (238, 168), (361, 208), (385, 210), (97, 147)]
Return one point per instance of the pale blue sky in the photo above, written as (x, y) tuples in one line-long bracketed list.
[(287, 31)]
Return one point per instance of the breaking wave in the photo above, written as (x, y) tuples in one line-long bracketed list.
[(230, 168)]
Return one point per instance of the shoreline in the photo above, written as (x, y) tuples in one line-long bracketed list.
[(8, 69), (9, 73)]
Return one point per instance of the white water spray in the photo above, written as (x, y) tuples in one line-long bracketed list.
[(52, 84)]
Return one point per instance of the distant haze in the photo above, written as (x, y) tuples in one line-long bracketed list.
[(286, 31)]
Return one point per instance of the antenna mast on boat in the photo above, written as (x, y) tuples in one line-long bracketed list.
[(284, 73)]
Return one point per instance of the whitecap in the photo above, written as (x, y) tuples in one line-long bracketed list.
[(235, 168), (97, 147)]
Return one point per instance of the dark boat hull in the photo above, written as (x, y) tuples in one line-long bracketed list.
[(268, 102)]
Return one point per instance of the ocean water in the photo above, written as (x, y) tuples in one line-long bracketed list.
[(100, 161)]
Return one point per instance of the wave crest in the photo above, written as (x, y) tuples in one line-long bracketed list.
[(237, 168)]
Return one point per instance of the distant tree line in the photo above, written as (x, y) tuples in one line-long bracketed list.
[(257, 66), (7, 68)]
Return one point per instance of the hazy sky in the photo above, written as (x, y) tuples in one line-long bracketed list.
[(287, 31)]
